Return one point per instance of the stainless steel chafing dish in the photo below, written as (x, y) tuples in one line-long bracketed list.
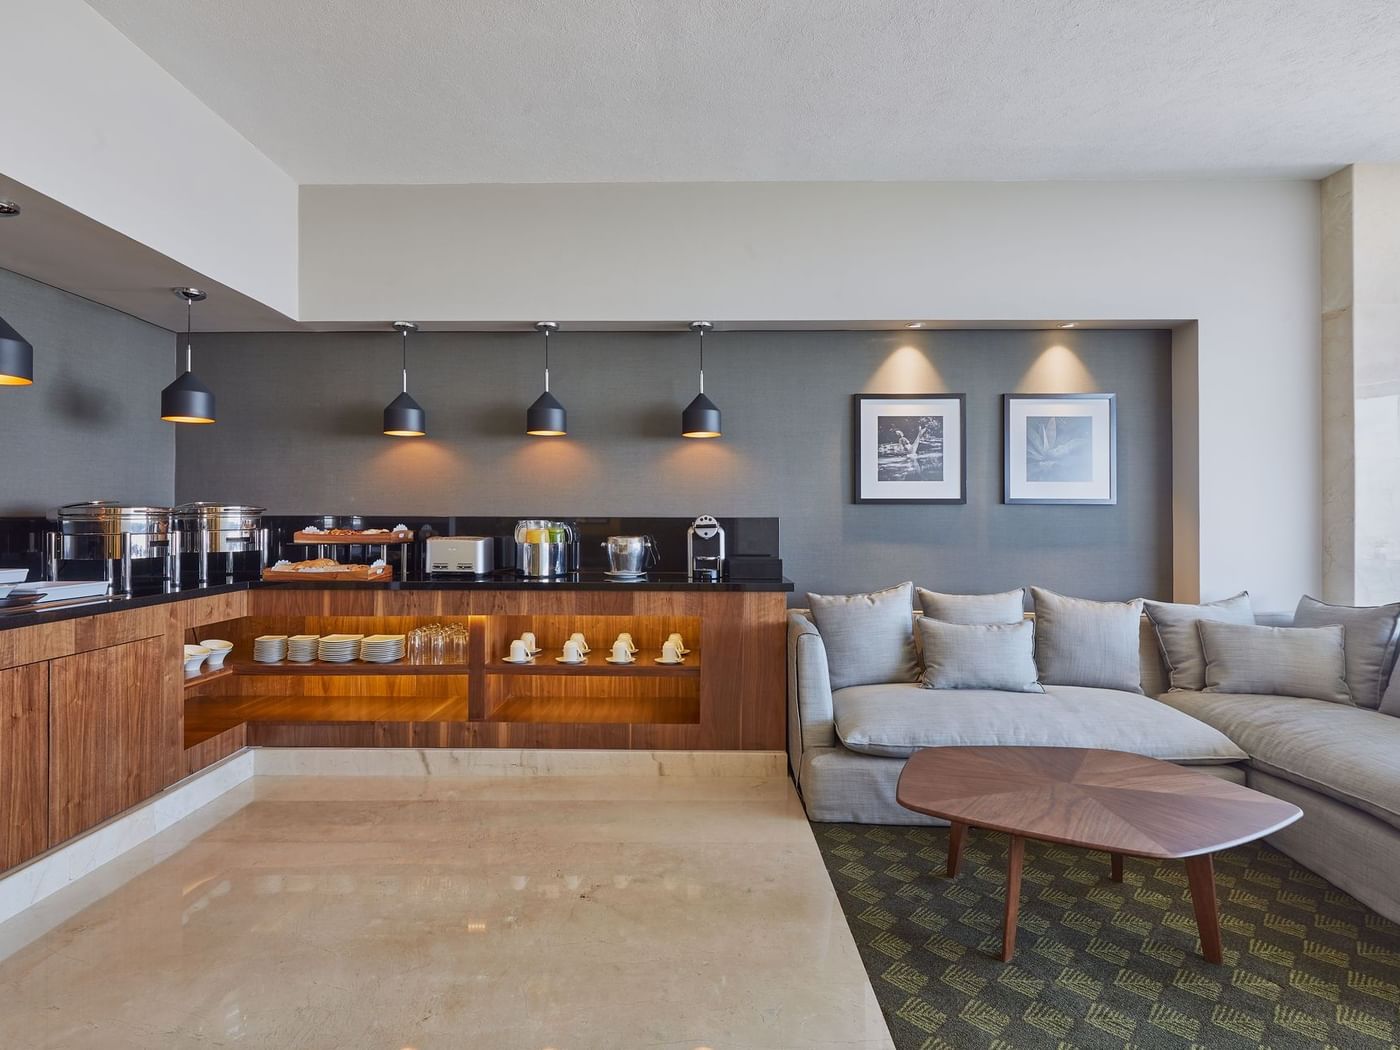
[(122, 540), (218, 536)]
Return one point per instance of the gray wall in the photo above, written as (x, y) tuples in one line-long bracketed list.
[(300, 415), (89, 427)]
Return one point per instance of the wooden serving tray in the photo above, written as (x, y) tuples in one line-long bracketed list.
[(353, 537), (351, 574)]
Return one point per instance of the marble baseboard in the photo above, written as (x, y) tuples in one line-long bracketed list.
[(511, 762), (58, 868)]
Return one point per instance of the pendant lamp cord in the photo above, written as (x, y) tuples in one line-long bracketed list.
[(546, 360), (702, 360), (189, 334), (405, 359)]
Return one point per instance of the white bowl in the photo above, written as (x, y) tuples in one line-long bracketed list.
[(218, 649), (194, 660)]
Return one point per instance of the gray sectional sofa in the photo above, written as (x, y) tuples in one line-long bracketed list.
[(1339, 763)]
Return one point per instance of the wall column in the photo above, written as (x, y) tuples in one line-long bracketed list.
[(1361, 384)]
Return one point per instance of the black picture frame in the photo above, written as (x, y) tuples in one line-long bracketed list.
[(1021, 492), (869, 488)]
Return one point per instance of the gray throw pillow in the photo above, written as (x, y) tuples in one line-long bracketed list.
[(1275, 661), (1175, 624), (1087, 643), (869, 638), (1370, 633), (1006, 607), (979, 656)]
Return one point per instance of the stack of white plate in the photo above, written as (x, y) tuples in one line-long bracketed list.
[(383, 648), (301, 648), (339, 648), (270, 648)]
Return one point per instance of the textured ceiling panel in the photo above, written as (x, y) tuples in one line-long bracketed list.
[(448, 91)]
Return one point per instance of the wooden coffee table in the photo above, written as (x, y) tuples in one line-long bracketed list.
[(1124, 804)]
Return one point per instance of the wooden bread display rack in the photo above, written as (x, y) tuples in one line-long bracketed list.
[(342, 574), (352, 536)]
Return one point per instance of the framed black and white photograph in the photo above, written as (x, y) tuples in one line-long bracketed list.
[(1061, 448), (910, 448)]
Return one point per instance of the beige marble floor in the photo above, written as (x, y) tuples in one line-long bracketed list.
[(478, 912)]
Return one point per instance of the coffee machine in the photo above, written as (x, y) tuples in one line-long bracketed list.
[(704, 550)]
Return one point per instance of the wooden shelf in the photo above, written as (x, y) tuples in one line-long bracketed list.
[(354, 667), (205, 677), (209, 716), (598, 666), (612, 710)]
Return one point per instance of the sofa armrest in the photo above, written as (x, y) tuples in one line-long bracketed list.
[(811, 721)]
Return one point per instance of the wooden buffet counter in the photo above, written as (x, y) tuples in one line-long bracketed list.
[(96, 714)]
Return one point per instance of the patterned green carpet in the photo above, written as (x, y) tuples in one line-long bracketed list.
[(1104, 964)]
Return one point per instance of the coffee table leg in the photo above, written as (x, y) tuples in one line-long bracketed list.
[(1200, 873), (1015, 853), (1116, 860), (957, 834)]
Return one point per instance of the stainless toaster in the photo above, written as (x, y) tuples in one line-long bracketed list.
[(465, 554)]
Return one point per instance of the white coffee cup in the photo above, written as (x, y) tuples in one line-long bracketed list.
[(528, 638), (680, 645), (670, 654), (519, 651), (572, 653), (582, 642), (622, 652), (625, 637)]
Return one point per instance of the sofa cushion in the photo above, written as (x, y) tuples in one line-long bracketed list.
[(869, 638), (1370, 643), (978, 656), (1349, 753), (897, 720), (1179, 639), (1087, 643), (1006, 607), (1275, 661)]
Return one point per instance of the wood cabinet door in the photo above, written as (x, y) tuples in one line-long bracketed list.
[(24, 761), (114, 733)]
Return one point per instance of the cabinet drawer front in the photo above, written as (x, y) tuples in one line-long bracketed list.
[(113, 733), (24, 759)]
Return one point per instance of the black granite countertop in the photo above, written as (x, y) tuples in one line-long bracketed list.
[(582, 581)]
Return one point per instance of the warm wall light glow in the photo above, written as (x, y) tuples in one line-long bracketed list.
[(1056, 368), (906, 370), (186, 419)]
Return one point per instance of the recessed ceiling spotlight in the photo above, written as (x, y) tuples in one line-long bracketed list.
[(8, 207), (914, 324), (1067, 324)]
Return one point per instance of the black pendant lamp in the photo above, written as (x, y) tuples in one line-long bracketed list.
[(16, 357), (546, 417), (405, 417), (187, 400), (701, 417)]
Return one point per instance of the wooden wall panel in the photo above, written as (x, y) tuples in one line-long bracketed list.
[(24, 760), (113, 733)]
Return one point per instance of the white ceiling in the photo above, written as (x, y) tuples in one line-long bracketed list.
[(449, 91)]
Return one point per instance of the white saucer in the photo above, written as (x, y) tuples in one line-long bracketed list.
[(612, 661), (669, 663), (561, 660), (508, 660)]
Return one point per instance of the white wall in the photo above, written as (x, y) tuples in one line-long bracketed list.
[(91, 121), (1239, 258)]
